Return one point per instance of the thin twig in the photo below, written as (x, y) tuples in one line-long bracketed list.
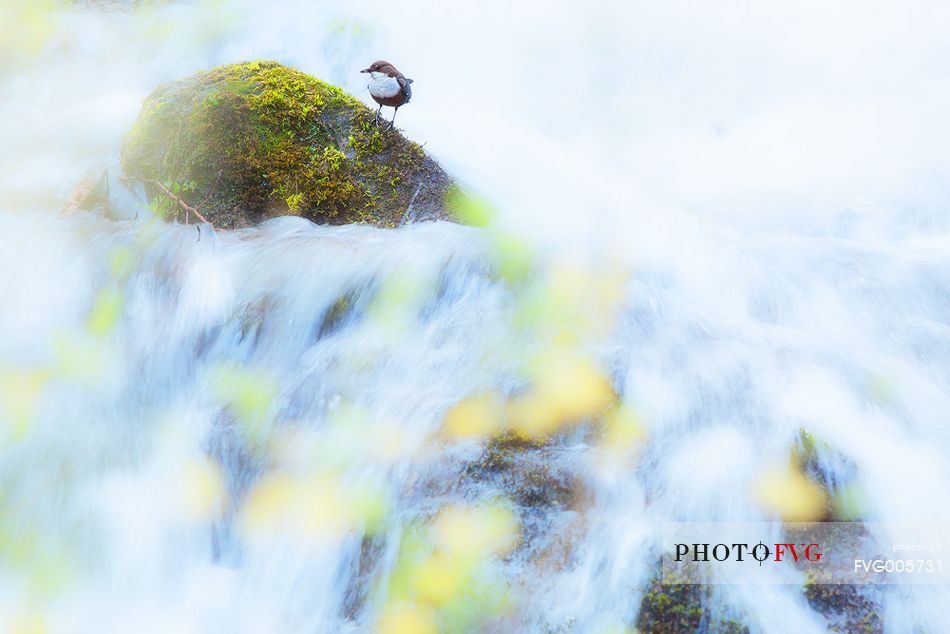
[(406, 215), (181, 203)]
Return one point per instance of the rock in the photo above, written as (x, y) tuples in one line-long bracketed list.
[(528, 472), (91, 192), (684, 607), (246, 142)]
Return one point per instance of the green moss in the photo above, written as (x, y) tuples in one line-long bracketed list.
[(846, 607), (682, 608), (337, 314), (259, 139), (845, 499), (670, 609), (522, 468)]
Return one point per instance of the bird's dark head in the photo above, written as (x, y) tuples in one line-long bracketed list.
[(381, 66)]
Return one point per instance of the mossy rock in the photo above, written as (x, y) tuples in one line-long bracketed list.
[(527, 472), (846, 607), (682, 608), (250, 141)]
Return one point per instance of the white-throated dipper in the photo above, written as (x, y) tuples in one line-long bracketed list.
[(388, 87)]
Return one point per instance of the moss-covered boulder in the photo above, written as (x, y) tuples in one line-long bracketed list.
[(683, 607), (250, 141)]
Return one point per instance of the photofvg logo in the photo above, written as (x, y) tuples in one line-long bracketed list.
[(827, 553), (760, 552)]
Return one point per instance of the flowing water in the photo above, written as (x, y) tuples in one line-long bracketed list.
[(759, 192)]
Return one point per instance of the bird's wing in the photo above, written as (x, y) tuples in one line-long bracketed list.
[(404, 84)]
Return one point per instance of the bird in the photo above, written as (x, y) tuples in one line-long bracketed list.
[(388, 87)]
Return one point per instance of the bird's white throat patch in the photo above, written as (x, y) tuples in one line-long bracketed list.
[(382, 85)]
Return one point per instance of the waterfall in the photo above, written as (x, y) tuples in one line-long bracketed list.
[(301, 428)]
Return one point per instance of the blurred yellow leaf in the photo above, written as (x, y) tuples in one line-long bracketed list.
[(204, 493), (413, 549), (623, 430), (83, 359), (572, 303), (366, 506), (850, 503), (567, 388), (249, 394), (398, 300), (326, 512), (516, 257), (28, 624), (352, 29), (269, 502), (105, 312), (445, 565), (787, 492), (881, 389), (472, 533), (312, 508), (48, 575), (406, 618), (439, 579), (470, 208), (19, 397), (121, 262), (26, 26), (475, 416)]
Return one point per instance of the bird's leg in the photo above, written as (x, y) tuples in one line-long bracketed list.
[(392, 124), (379, 111)]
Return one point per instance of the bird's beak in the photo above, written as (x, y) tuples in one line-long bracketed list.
[(365, 70)]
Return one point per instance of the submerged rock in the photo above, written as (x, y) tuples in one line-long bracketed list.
[(91, 192), (684, 607), (250, 141)]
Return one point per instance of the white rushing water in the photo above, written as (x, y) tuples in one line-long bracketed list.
[(767, 182)]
